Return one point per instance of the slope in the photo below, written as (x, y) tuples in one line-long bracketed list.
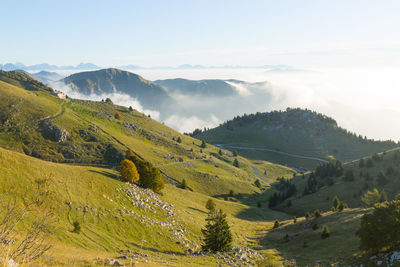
[(86, 132)]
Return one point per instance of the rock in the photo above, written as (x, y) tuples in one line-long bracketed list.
[(55, 133), (395, 256), (11, 263), (124, 257), (117, 263)]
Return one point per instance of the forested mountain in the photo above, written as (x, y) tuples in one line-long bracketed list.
[(295, 136)]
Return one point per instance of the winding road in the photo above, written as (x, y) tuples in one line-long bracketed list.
[(274, 151)]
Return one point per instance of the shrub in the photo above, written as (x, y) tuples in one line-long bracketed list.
[(317, 213), (220, 152), (128, 171), (179, 140), (325, 232), (210, 205), (77, 227), (184, 184), (314, 226), (380, 230), (231, 193), (370, 198), (235, 153), (276, 224), (118, 116), (109, 101), (257, 183), (294, 219)]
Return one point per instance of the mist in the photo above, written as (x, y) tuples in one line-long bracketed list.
[(364, 100)]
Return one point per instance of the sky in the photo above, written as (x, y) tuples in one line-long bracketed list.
[(349, 49), (306, 34)]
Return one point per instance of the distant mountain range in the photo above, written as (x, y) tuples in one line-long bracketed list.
[(47, 76), (91, 66)]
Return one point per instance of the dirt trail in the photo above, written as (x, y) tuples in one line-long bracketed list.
[(275, 151)]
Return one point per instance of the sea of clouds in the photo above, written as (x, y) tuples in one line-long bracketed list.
[(363, 100)]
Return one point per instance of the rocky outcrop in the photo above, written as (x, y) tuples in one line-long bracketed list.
[(54, 133)]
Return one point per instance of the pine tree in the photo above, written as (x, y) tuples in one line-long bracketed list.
[(383, 196), (276, 224), (179, 140), (325, 232), (317, 213), (130, 108), (220, 152), (203, 144), (235, 153), (258, 183), (236, 163), (335, 203), (217, 234)]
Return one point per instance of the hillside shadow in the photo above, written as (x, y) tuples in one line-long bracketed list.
[(198, 210), (108, 174), (169, 252), (253, 212)]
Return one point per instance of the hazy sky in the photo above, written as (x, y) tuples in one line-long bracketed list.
[(157, 33)]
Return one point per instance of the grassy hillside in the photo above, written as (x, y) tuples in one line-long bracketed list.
[(72, 148), (295, 136), (365, 179), (86, 132)]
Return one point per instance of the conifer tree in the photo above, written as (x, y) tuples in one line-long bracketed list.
[(217, 233), (276, 224), (236, 163), (325, 232), (335, 203), (128, 171), (203, 144), (210, 205)]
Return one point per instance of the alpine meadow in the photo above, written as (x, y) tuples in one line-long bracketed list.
[(209, 133)]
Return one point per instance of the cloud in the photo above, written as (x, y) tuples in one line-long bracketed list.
[(188, 124), (240, 89)]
